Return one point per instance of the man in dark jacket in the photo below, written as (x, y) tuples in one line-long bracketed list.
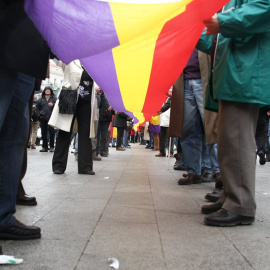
[(120, 122), (105, 117), (44, 110), (23, 57)]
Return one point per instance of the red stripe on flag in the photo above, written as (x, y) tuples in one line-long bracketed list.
[(174, 46)]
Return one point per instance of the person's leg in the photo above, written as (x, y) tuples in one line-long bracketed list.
[(107, 143), (97, 150), (151, 141), (15, 92), (22, 198), (103, 137), (119, 136), (207, 175), (162, 140), (52, 136), (191, 141), (74, 139), (44, 134), (60, 156), (34, 130), (76, 147), (212, 150), (236, 155), (85, 159), (236, 143), (261, 135), (156, 141)]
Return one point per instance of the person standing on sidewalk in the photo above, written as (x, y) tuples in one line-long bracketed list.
[(77, 82), (44, 110), (240, 82), (24, 56), (120, 122)]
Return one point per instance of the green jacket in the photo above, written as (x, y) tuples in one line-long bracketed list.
[(241, 70)]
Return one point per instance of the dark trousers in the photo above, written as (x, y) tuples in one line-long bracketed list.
[(44, 133), (120, 132), (102, 131), (262, 130), (15, 92), (163, 135), (85, 161)]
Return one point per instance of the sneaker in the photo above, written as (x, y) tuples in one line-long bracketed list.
[(120, 148)]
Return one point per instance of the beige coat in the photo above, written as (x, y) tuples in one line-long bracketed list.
[(177, 105), (72, 76)]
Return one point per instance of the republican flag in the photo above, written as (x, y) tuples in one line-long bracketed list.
[(134, 50)]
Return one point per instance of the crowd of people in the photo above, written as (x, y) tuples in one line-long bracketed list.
[(215, 115)]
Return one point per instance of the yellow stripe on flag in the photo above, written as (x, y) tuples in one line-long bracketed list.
[(138, 35)]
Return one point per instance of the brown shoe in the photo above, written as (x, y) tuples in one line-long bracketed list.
[(190, 179), (33, 146), (43, 150), (120, 148)]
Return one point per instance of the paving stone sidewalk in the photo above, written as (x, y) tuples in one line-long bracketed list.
[(132, 210)]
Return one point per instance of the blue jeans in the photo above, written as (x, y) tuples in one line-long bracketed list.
[(193, 138), (212, 149), (15, 92), (125, 137), (151, 142)]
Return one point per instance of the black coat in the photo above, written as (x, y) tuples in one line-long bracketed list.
[(22, 48), (104, 114), (43, 109), (120, 120)]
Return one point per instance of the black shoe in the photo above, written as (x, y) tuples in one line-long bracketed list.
[(179, 168), (214, 196), (103, 155), (43, 150), (207, 178), (261, 154), (225, 218), (19, 231), (26, 200), (58, 172), (211, 208), (87, 172)]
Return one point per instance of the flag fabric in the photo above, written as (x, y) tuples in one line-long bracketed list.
[(134, 50)]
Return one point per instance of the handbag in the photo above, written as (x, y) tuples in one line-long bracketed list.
[(67, 101)]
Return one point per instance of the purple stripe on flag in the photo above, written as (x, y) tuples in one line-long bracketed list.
[(74, 29), (101, 67)]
